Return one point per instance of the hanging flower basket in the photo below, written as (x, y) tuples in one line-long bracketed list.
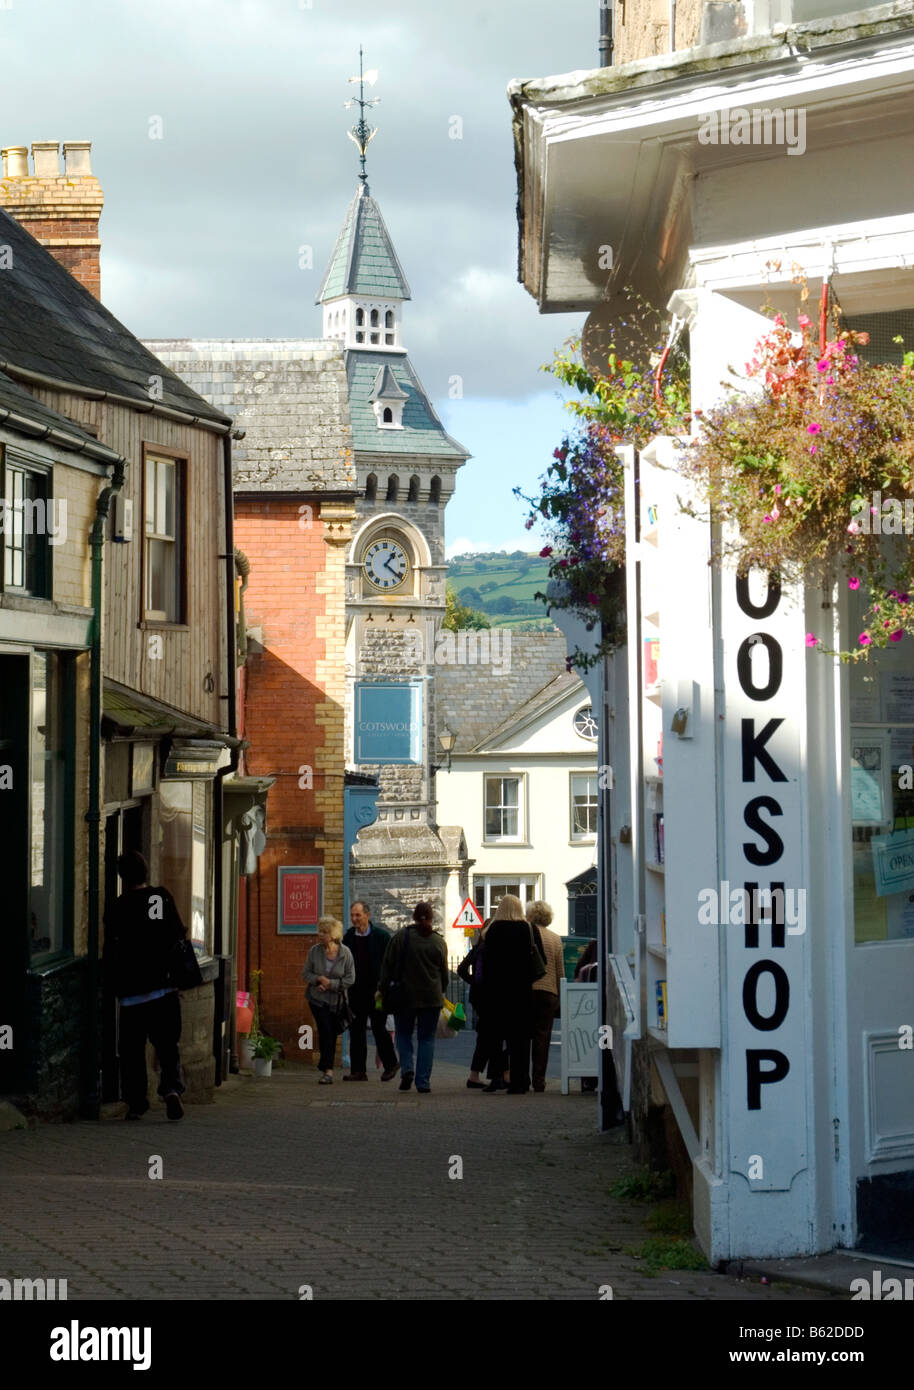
[(815, 470)]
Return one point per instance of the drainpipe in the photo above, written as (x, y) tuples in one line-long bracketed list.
[(225, 937), (92, 1101), (605, 47)]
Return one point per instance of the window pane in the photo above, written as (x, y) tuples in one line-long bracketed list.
[(493, 823), (509, 821), (176, 859), (47, 802), (510, 791)]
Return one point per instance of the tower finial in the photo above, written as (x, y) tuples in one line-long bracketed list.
[(362, 133)]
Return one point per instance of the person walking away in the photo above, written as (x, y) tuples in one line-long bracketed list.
[(142, 929), (417, 959), (546, 991), (329, 969), (488, 1051), (509, 974), (367, 944)]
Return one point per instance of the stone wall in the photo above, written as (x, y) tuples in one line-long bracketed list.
[(57, 1013)]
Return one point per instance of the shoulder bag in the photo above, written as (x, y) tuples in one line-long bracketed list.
[(537, 961)]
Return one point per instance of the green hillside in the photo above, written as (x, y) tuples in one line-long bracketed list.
[(502, 586)]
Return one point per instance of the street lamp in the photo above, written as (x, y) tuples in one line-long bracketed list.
[(447, 741)]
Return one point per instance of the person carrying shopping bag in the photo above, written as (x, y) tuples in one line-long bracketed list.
[(414, 976), (329, 972)]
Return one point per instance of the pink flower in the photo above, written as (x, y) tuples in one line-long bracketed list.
[(775, 514), (545, 552), (813, 448), (803, 320), (814, 428), (822, 366), (777, 489), (563, 564), (896, 636), (865, 639), (528, 524), (853, 583), (766, 518), (811, 641), (853, 528)]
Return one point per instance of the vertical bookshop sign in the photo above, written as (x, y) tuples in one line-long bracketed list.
[(388, 722), (765, 684)]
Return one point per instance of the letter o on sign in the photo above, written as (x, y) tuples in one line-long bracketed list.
[(781, 995)]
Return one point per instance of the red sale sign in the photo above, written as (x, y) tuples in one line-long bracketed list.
[(300, 898)]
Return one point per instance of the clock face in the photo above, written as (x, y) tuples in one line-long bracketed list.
[(385, 564)]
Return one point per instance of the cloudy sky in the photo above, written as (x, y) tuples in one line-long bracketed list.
[(202, 227)]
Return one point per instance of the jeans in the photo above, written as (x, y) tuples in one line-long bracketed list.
[(159, 1020), (326, 1034), (364, 1013), (425, 1022)]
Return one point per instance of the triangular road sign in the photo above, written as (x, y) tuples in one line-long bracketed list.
[(467, 916)]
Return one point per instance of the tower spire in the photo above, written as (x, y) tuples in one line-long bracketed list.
[(362, 133)]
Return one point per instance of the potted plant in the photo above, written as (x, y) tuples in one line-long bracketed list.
[(247, 1044), (265, 1050)]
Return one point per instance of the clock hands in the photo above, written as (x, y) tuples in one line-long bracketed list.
[(387, 564)]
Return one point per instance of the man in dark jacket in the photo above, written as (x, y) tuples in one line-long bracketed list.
[(367, 944), (142, 929)]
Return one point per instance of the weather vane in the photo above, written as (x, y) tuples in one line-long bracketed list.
[(362, 133)]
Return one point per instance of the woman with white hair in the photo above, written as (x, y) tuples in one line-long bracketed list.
[(511, 949), (546, 990), (329, 970)]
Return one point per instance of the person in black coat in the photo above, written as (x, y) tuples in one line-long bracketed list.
[(488, 1050), (368, 944), (507, 994), (142, 929)]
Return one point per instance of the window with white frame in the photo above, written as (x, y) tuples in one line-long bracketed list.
[(164, 546), (27, 520), (489, 889), (504, 808), (583, 805)]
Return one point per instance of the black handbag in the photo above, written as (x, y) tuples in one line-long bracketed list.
[(341, 1013), (183, 966)]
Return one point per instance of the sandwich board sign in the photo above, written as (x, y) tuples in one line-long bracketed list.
[(468, 918)]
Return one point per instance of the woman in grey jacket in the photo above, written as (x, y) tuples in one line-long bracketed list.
[(417, 958), (328, 970)]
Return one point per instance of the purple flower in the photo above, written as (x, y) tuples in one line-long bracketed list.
[(545, 552)]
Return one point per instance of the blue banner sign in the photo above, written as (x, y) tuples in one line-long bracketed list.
[(388, 722)]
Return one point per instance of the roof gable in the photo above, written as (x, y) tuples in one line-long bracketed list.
[(422, 432)]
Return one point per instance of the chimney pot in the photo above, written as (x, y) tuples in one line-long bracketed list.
[(16, 161), (76, 158), (46, 155)]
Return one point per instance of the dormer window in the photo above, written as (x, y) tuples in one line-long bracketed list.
[(387, 400), (387, 416)]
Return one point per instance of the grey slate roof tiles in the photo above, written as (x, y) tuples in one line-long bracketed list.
[(364, 261), (477, 704), (52, 325), (290, 398), (27, 408), (422, 432)]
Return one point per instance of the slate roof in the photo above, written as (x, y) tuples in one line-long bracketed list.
[(22, 412), (558, 687), (51, 324), (478, 706), (364, 261), (422, 432), (290, 396)]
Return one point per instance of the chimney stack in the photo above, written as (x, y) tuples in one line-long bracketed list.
[(61, 210)]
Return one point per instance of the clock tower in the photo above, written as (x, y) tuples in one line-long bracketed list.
[(406, 466)]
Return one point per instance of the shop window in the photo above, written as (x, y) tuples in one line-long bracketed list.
[(185, 862), (28, 519), (583, 806), (163, 526), (881, 774), (50, 832)]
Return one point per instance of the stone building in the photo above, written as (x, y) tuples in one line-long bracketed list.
[(406, 466)]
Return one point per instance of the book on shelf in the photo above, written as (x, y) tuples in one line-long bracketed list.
[(660, 990), (658, 838), (651, 661)]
